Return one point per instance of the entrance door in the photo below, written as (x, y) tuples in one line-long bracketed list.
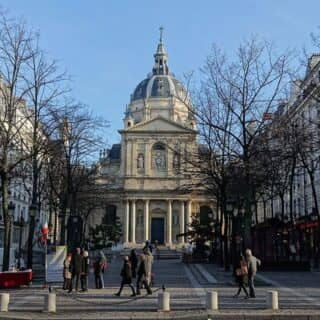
[(157, 230)]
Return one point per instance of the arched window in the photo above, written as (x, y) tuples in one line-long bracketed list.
[(159, 161)]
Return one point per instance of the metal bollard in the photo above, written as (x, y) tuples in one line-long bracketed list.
[(212, 300), (4, 302), (272, 300), (164, 301), (50, 302)]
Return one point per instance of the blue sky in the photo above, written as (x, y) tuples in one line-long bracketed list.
[(108, 45)]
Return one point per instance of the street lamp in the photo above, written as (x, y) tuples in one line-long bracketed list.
[(32, 212)]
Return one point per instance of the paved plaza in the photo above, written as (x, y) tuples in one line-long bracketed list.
[(187, 284)]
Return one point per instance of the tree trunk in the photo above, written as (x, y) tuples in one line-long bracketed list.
[(6, 221), (264, 210), (282, 206), (63, 226), (314, 194)]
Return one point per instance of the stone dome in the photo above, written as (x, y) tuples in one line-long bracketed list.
[(159, 86), (160, 83)]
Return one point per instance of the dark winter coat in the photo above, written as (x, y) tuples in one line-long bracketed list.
[(240, 279), (99, 266), (126, 273), (76, 263), (85, 265), (134, 263), (142, 271)]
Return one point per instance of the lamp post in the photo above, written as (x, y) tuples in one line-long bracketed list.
[(229, 213), (20, 223), (32, 213)]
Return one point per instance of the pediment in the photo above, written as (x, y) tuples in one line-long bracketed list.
[(160, 124)]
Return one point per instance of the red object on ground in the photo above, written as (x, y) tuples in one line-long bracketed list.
[(13, 279)]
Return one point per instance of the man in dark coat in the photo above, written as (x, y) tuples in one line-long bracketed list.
[(99, 268), (134, 262), (85, 271), (142, 276), (76, 269), (126, 275)]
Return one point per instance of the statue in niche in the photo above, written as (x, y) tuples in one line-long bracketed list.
[(160, 161), (176, 161), (140, 163)]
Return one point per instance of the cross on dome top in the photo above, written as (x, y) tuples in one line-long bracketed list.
[(160, 58)]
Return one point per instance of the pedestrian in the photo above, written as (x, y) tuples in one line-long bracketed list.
[(85, 271), (126, 274), (241, 276), (99, 268), (253, 264), (76, 265), (142, 276), (147, 246), (148, 263), (67, 272), (134, 262)]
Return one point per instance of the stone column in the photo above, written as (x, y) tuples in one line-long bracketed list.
[(128, 157), (146, 220), (134, 157), (147, 162), (182, 223), (189, 217), (133, 222), (126, 222), (169, 223)]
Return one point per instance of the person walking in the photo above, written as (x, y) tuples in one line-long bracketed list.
[(126, 274), (85, 271), (66, 272), (241, 276), (253, 264), (99, 268), (142, 276), (147, 246), (134, 262), (148, 264), (76, 267)]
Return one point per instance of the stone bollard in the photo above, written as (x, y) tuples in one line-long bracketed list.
[(50, 302), (4, 302), (212, 300), (272, 300), (164, 301)]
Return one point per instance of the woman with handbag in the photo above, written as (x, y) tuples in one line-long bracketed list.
[(241, 275)]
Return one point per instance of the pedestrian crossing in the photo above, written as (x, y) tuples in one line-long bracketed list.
[(187, 285)]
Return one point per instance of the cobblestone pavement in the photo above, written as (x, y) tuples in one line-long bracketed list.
[(187, 284)]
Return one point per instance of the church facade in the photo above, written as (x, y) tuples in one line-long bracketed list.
[(147, 173)]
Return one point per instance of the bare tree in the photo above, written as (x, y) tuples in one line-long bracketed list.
[(78, 138), (14, 117), (250, 87), (45, 85)]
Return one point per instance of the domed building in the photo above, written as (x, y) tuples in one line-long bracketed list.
[(149, 184)]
